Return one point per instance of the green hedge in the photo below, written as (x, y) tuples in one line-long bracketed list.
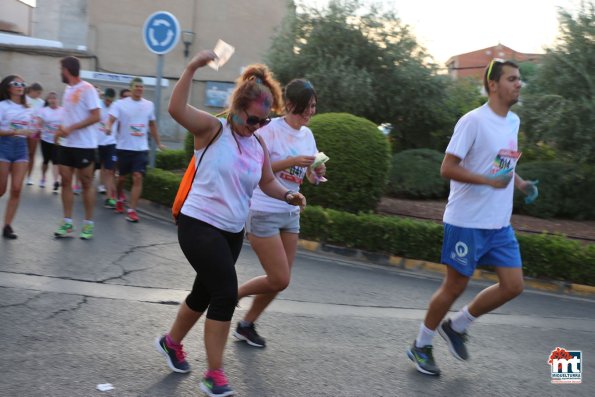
[(415, 174), (171, 159), (544, 256), (160, 186), (189, 146), (566, 190)]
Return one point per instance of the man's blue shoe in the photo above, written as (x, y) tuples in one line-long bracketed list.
[(423, 359), (456, 341)]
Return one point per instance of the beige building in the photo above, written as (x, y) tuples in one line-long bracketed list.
[(107, 36)]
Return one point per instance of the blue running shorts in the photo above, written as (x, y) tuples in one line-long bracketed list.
[(464, 249)]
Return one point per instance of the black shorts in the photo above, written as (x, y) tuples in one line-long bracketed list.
[(75, 157), (130, 161), (106, 156), (49, 152)]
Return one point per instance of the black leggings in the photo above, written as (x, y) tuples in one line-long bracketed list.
[(212, 252)]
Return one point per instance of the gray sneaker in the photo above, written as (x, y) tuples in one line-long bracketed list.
[(456, 341), (423, 359)]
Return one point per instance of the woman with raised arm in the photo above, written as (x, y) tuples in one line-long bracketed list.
[(212, 218)]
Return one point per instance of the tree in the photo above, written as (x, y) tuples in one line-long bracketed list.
[(366, 63), (559, 103)]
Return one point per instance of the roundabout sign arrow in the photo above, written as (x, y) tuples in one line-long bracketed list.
[(161, 32)]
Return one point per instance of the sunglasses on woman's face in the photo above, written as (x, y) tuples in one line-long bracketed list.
[(253, 120), (19, 84)]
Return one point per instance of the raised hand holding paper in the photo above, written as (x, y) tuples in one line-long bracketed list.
[(223, 51)]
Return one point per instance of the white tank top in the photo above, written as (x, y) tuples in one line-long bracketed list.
[(226, 178)]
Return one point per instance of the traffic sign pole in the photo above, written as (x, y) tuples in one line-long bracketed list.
[(153, 154), (161, 33)]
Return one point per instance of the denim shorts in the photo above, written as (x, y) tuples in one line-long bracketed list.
[(14, 149), (464, 248), (268, 224)]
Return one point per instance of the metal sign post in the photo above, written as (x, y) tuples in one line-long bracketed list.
[(161, 33)]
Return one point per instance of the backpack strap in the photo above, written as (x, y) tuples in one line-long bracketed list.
[(181, 203)]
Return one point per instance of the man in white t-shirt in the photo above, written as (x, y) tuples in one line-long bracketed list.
[(136, 118), (35, 101), (480, 162), (106, 151), (77, 138)]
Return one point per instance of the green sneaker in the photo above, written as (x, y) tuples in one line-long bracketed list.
[(109, 203), (423, 359), (64, 230), (87, 232)]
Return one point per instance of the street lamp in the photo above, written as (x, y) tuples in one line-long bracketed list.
[(187, 39)]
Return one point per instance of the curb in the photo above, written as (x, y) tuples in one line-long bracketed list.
[(420, 265), (163, 213)]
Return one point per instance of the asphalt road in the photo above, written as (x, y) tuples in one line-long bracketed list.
[(75, 314)]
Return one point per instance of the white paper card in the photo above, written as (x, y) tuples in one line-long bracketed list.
[(223, 51), (105, 387)]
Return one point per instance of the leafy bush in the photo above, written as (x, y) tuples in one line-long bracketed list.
[(161, 186), (358, 167), (557, 258), (565, 190), (415, 174), (552, 257), (544, 256), (171, 159), (189, 146)]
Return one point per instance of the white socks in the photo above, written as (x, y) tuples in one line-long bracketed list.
[(461, 320), (425, 336)]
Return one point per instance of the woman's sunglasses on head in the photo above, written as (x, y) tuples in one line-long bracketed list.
[(19, 84)]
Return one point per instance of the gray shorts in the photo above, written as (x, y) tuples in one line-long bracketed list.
[(268, 224)]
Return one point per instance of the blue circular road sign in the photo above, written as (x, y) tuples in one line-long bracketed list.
[(161, 32)]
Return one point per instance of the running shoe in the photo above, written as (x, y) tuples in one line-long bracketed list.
[(109, 203), (249, 334), (56, 187), (456, 341), (423, 359), (120, 207), (42, 183), (101, 189), (215, 384), (8, 233), (29, 182), (87, 232), (64, 230), (131, 216), (174, 354)]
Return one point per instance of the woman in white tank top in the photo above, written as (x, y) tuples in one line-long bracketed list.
[(210, 226)]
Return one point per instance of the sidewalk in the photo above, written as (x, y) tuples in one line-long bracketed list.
[(561, 287)]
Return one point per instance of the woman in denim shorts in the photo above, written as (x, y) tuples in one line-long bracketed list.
[(273, 226), (16, 124)]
